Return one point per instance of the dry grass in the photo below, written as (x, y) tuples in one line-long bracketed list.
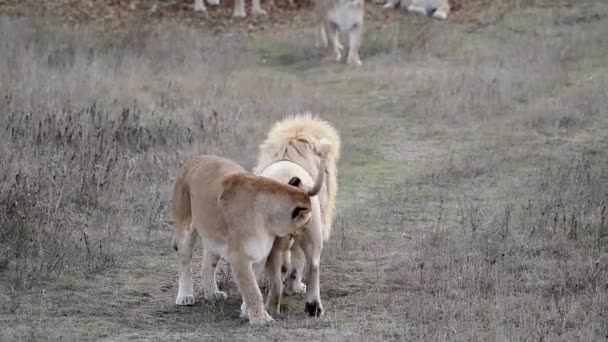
[(473, 181)]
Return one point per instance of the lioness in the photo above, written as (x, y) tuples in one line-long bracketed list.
[(438, 8), (238, 216), (290, 154), (336, 16), (239, 7)]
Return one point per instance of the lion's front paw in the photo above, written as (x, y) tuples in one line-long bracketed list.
[(185, 300), (258, 12), (417, 9), (314, 308), (354, 60), (441, 15), (240, 13), (262, 319)]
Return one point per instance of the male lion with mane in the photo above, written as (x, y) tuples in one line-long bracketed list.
[(238, 216), (290, 154)]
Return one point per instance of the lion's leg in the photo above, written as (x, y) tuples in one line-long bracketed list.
[(415, 8), (333, 43), (258, 271), (391, 4), (239, 9), (442, 11), (314, 306), (184, 241), (285, 264), (354, 41), (256, 8), (296, 271), (312, 244), (209, 284), (199, 5), (321, 37), (244, 277), (273, 271)]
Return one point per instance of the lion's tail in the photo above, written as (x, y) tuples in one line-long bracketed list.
[(182, 209), (298, 137)]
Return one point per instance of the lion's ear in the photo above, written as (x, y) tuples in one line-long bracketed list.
[(295, 181), (323, 147)]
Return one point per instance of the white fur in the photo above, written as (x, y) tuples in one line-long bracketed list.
[(439, 8), (258, 249), (239, 7)]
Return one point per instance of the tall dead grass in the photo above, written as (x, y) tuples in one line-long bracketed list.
[(94, 127)]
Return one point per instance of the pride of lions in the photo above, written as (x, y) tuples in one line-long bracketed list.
[(335, 16)]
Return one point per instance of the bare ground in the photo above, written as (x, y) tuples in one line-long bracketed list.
[(473, 178)]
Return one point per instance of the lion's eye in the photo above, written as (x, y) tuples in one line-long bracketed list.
[(296, 212)]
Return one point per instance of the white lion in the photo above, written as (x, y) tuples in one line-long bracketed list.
[(290, 154), (335, 16), (439, 8)]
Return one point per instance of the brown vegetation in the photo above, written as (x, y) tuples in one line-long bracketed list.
[(473, 176)]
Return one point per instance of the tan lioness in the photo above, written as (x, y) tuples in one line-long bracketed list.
[(334, 16), (238, 216)]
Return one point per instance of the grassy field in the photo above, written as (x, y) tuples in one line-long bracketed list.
[(473, 179)]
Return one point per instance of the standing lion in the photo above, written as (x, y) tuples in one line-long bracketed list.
[(335, 16), (291, 151)]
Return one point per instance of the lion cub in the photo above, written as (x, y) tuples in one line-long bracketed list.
[(238, 216), (336, 16), (439, 8)]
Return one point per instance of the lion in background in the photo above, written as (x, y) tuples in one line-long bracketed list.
[(335, 16), (291, 150), (438, 9)]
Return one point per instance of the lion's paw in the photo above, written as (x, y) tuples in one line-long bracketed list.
[(261, 320), (239, 14), (354, 61), (258, 12), (314, 308), (185, 300), (441, 15)]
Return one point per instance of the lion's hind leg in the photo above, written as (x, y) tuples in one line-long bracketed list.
[(183, 242), (312, 245), (210, 289)]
